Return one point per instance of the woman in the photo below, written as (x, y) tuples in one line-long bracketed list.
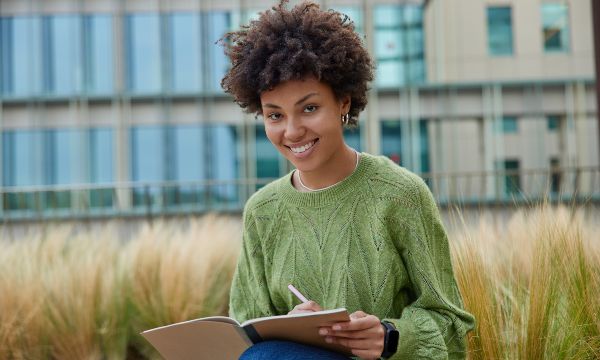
[(348, 229)]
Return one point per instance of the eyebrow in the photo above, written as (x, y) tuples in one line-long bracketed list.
[(304, 98)]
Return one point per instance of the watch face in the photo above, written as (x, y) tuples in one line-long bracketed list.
[(393, 341)]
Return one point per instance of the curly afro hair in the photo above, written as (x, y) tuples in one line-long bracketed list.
[(284, 45)]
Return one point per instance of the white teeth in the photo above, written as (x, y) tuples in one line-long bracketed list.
[(303, 148)]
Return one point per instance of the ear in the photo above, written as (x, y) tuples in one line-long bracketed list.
[(345, 103)]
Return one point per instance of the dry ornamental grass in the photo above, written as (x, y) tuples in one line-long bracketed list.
[(534, 286)]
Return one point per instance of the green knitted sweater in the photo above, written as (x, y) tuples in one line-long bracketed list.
[(374, 242)]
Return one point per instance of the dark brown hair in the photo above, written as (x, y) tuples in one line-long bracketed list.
[(291, 44)]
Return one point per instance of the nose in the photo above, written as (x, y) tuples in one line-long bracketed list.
[(294, 129)]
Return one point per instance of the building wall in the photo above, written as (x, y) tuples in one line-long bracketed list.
[(436, 107), (457, 43)]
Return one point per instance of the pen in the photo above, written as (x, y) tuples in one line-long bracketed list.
[(297, 293)]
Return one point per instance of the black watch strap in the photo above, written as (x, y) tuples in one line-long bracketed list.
[(390, 342)]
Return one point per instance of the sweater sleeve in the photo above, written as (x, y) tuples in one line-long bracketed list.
[(249, 295), (434, 325)]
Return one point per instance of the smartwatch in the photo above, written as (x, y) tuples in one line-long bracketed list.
[(390, 342)]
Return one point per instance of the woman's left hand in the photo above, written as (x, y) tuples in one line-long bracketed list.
[(363, 334)]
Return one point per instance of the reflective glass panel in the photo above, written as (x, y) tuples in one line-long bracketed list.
[(64, 146), (390, 73), (219, 22), (20, 56), (21, 152), (500, 39), (555, 19), (98, 54), (62, 55), (186, 65), (188, 165), (101, 166), (391, 140), (424, 147), (143, 53), (21, 167), (224, 157), (355, 14), (509, 124), (147, 153), (388, 44), (352, 138), (190, 154), (399, 48), (387, 15), (267, 157), (101, 156)]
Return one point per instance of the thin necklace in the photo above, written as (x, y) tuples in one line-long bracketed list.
[(330, 186)]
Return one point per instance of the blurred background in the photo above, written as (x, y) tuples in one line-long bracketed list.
[(113, 127), (113, 109)]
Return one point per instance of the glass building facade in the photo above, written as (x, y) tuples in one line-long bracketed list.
[(121, 111)]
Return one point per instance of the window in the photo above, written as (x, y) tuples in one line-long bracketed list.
[(512, 180), (424, 147), (101, 166), (218, 23), (391, 140), (148, 145), (500, 38), (399, 46), (355, 15), (62, 55), (224, 163), (555, 176), (267, 156), (185, 63), (63, 148), (352, 138), (21, 151), (553, 122), (143, 53), (188, 165), (508, 125), (555, 22), (98, 54), (20, 56)]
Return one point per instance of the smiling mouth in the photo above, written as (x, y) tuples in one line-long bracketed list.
[(303, 148)]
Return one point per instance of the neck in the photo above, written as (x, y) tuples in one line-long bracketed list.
[(337, 169)]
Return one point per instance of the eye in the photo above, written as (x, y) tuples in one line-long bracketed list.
[(274, 116), (310, 108)]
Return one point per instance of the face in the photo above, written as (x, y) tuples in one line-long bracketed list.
[(303, 121)]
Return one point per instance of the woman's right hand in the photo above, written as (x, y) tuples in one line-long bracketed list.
[(309, 306)]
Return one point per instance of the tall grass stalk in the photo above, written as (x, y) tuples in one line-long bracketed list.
[(533, 286), (88, 295)]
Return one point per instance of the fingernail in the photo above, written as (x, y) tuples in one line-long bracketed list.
[(328, 340), (336, 327), (323, 332)]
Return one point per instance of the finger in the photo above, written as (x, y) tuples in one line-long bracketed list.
[(370, 333), (358, 324), (357, 344), (295, 311), (367, 354), (358, 314), (309, 305)]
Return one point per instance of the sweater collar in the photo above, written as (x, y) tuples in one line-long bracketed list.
[(339, 191)]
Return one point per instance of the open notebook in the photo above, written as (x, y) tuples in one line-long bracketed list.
[(220, 337)]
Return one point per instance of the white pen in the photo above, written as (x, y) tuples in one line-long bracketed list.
[(297, 293)]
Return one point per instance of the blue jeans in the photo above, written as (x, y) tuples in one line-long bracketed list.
[(278, 349)]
